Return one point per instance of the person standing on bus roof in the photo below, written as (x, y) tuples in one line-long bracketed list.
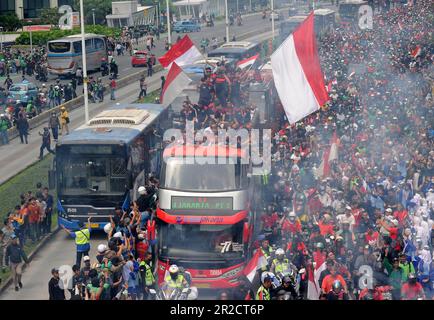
[(82, 237)]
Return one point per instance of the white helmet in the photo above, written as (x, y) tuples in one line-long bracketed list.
[(267, 276), (173, 269), (141, 190), (108, 228), (280, 252), (101, 248), (292, 214), (117, 235)]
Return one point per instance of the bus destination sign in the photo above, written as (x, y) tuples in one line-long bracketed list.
[(202, 203)]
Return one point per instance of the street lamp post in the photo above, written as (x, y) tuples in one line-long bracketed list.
[(169, 27), (93, 15), (227, 20), (83, 50), (272, 18)]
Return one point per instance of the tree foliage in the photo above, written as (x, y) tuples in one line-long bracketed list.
[(102, 9), (42, 37), (50, 16), (10, 22)]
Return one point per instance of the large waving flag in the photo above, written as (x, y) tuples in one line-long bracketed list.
[(257, 262), (176, 81), (183, 52), (314, 273), (297, 73)]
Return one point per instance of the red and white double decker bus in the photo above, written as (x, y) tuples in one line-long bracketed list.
[(204, 217)]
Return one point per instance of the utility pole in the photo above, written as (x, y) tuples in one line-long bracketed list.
[(93, 14), (272, 18), (227, 21), (83, 52), (169, 27)]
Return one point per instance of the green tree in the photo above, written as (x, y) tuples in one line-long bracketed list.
[(10, 22), (50, 16), (102, 8)]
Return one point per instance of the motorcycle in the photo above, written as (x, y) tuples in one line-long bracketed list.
[(104, 69), (289, 284), (190, 293)]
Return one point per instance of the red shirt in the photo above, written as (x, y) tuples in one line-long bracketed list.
[(141, 249), (113, 84), (34, 213), (269, 220), (290, 227), (401, 216), (326, 229), (372, 237), (393, 233), (411, 292)]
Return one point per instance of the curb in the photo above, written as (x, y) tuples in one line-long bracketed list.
[(30, 257)]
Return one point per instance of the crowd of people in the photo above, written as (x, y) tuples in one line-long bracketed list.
[(29, 221)]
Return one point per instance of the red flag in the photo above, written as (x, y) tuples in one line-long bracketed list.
[(257, 262), (416, 51), (313, 286), (176, 81), (183, 52)]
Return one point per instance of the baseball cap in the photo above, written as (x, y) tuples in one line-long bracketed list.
[(54, 270)]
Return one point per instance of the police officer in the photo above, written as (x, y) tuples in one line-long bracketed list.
[(280, 263), (148, 279), (267, 251), (82, 237), (175, 280), (263, 292)]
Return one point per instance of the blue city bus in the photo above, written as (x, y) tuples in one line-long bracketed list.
[(102, 163)]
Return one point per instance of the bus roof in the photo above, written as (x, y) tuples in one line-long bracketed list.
[(353, 2), (207, 151), (119, 123), (235, 46), (323, 12), (78, 37)]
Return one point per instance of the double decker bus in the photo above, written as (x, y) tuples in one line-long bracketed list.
[(205, 217), (102, 163)]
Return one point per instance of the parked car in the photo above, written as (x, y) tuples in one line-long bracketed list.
[(186, 26), (139, 58), (276, 15), (22, 91)]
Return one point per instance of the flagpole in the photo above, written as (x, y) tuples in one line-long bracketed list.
[(169, 32), (83, 50), (227, 21), (272, 17)]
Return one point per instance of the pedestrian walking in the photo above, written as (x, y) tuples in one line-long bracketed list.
[(23, 127), (46, 143), (143, 87), (82, 237), (64, 120), (112, 88), (55, 292), (150, 67), (49, 202), (163, 81), (15, 256), (54, 125)]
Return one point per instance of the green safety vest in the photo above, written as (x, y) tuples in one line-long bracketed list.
[(149, 277), (178, 283), (280, 266), (265, 178), (82, 236), (266, 255), (262, 293)]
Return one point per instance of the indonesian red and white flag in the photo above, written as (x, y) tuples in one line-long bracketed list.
[(176, 81), (257, 262), (416, 51), (297, 73), (247, 62), (313, 286), (183, 52), (329, 155)]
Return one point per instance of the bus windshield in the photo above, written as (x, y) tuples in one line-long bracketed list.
[(201, 241), (178, 175), (91, 174), (59, 47)]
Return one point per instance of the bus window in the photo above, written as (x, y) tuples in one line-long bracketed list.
[(99, 44), (90, 44), (77, 47), (59, 47)]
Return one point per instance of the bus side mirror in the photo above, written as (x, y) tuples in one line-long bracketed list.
[(51, 179), (246, 232)]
